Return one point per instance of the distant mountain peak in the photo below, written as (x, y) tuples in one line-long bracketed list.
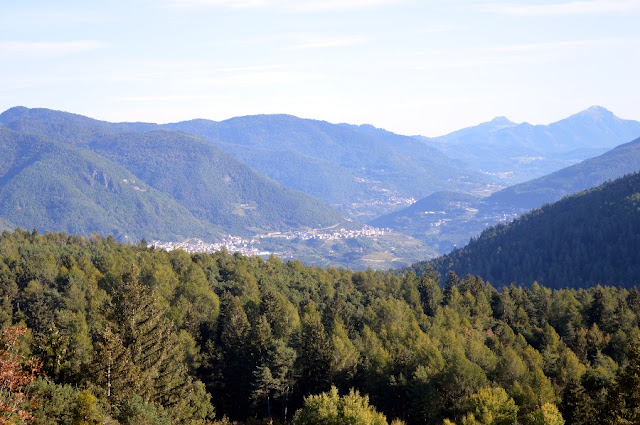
[(598, 109), (595, 113), (501, 120)]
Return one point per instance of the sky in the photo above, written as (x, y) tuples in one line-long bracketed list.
[(415, 67)]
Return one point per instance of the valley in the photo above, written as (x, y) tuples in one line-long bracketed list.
[(278, 180), (368, 247), (356, 212)]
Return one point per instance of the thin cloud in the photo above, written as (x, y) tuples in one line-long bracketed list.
[(302, 6), (508, 54), (254, 78), (48, 48), (169, 98), (328, 42), (557, 45), (233, 4), (434, 29), (567, 8)]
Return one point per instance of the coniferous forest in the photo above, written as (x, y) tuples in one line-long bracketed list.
[(585, 239), (95, 331)]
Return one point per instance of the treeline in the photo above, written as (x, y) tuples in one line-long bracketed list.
[(583, 240), (100, 332)]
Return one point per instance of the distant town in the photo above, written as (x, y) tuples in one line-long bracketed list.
[(251, 246)]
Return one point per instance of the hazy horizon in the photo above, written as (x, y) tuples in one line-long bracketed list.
[(410, 67)]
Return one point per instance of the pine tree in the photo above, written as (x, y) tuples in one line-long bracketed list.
[(143, 355), (623, 401), (315, 355)]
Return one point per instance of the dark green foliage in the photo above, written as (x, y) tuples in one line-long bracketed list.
[(330, 408), (134, 411), (64, 404), (623, 401), (586, 239), (314, 353)]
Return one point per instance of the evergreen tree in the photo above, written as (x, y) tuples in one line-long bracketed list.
[(145, 356), (623, 402), (315, 357)]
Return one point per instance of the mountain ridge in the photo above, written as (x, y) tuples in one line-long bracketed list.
[(369, 167), (50, 186), (582, 240), (76, 131), (524, 151), (459, 222)]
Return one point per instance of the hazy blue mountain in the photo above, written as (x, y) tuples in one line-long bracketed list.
[(619, 161), (362, 170), (50, 186), (56, 124), (520, 152), (444, 221), (586, 239)]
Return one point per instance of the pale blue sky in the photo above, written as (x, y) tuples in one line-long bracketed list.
[(411, 66)]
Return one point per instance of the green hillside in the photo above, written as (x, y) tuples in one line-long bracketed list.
[(362, 170), (53, 187), (446, 220), (583, 240), (63, 126), (213, 185)]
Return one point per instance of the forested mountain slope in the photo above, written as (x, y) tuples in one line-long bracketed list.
[(219, 192), (364, 171), (586, 239), (53, 187), (445, 220), (433, 220), (623, 159), (125, 334), (53, 124), (213, 185)]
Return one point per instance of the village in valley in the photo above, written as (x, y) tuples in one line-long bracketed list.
[(251, 246)]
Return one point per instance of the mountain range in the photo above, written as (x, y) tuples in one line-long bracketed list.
[(623, 159), (582, 240), (520, 152), (447, 220), (53, 160), (50, 186), (363, 171), (271, 173)]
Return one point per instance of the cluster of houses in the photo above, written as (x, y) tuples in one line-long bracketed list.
[(366, 231), (235, 244), (232, 244)]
